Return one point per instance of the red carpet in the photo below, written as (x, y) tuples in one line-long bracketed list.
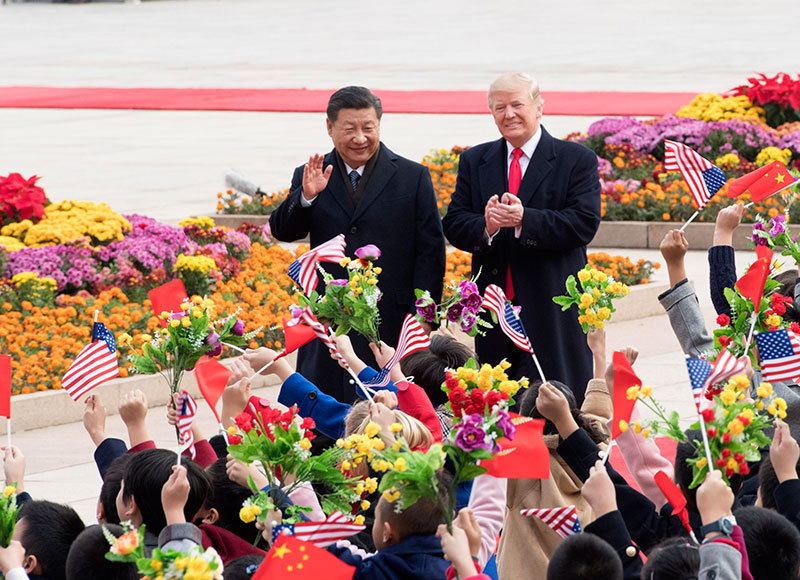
[(313, 101), (667, 447)]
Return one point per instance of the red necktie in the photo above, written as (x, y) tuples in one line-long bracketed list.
[(514, 179)]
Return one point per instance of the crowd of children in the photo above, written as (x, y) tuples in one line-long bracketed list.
[(747, 529)]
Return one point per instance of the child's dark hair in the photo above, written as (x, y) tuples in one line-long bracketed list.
[(145, 475), (772, 541), (686, 451), (421, 518), (672, 559), (48, 530), (227, 497), (428, 366), (768, 482), (584, 557), (243, 567), (111, 484), (87, 557), (527, 407)]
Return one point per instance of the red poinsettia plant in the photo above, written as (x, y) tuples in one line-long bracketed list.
[(779, 95), (21, 199)]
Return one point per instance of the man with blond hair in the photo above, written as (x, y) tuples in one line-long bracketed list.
[(526, 205)]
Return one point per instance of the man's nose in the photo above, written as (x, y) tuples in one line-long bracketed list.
[(359, 137)]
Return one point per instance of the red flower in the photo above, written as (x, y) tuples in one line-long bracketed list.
[(475, 408), (712, 432), (720, 462), (22, 196), (708, 415), (726, 437), (244, 421), (744, 469), (234, 439), (723, 320), (307, 423), (729, 472), (309, 435), (744, 419), (726, 453), (493, 398), (795, 327), (738, 457), (451, 381), (457, 396), (724, 340)]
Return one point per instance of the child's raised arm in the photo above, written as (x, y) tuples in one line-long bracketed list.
[(133, 411)]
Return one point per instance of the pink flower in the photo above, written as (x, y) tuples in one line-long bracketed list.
[(369, 252)]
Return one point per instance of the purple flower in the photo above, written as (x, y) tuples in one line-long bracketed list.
[(506, 424), (468, 322), (757, 239), (338, 282), (472, 303), (778, 224), (369, 252), (214, 344), (467, 287), (238, 328), (454, 312), (470, 437), (428, 312)]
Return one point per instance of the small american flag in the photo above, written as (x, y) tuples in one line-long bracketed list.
[(322, 534), (562, 520), (725, 367), (307, 317), (94, 365), (186, 410), (304, 269), (412, 338), (495, 300), (779, 352), (699, 369), (702, 177)]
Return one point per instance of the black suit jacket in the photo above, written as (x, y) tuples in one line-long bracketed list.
[(561, 194), (398, 214)]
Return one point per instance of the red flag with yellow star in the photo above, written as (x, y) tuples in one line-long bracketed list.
[(762, 182), (293, 559)]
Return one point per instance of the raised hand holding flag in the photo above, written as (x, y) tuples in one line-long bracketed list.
[(412, 338), (304, 269)]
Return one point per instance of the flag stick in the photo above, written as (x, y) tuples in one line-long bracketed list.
[(691, 219), (538, 368), (608, 451), (262, 369), (234, 347), (363, 388), (8, 430), (750, 334), (224, 432), (705, 442), (180, 450)]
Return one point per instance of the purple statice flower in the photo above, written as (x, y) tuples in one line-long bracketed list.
[(455, 311), (506, 424), (369, 252), (471, 437), (338, 282), (778, 224)]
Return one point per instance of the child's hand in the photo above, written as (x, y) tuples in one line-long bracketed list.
[(382, 416), (599, 490), (174, 495), (271, 519), (553, 405), (783, 453), (11, 557), (94, 419), (382, 355), (14, 467), (467, 522), (674, 247), (631, 354), (259, 358), (133, 408), (239, 470), (234, 400), (456, 550), (596, 339), (386, 397), (345, 346), (239, 370), (748, 366), (714, 498), (728, 220)]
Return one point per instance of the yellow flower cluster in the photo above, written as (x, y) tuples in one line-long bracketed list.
[(635, 392), (26, 277), (205, 222), (11, 244), (69, 221), (369, 485), (202, 264), (589, 313), (193, 568), (364, 446), (249, 513), (730, 159), (770, 154), (714, 107), (734, 390), (488, 375)]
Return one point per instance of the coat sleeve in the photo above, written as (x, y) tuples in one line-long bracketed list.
[(722, 274), (720, 560), (327, 412), (290, 221), (611, 528), (488, 502), (465, 224), (429, 244), (686, 320), (576, 224), (413, 400)]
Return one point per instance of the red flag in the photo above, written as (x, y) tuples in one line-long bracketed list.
[(5, 385), (167, 298), (295, 559), (751, 284), (212, 378), (295, 335), (762, 182), (624, 378), (675, 498), (524, 457)]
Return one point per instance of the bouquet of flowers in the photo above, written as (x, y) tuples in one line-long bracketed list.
[(734, 426), (461, 307), (281, 442), (189, 335), (166, 565), (8, 514), (594, 299), (350, 304)]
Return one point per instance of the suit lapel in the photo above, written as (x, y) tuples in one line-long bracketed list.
[(538, 168), (383, 171), (337, 186), (492, 171)]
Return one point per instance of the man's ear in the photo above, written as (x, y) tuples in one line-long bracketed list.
[(330, 127), (389, 536), (210, 516), (131, 512), (31, 564), (101, 514)]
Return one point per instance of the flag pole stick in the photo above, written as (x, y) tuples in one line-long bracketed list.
[(538, 367), (691, 219), (262, 369), (8, 430), (224, 432), (234, 347), (750, 334), (608, 451), (180, 450), (705, 442)]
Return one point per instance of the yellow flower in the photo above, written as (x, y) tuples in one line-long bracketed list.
[(365, 505), (359, 520), (470, 375), (732, 464), (509, 387), (372, 429), (623, 426), (586, 300), (175, 323), (155, 565), (305, 443), (400, 464), (632, 393), (780, 403), (391, 495), (124, 338), (344, 261), (184, 306), (702, 462), (371, 484), (604, 313), (186, 322), (773, 320), (764, 391), (346, 465), (637, 428), (9, 490), (646, 433), (759, 405), (728, 396), (741, 382), (584, 275), (377, 270), (360, 488), (647, 391), (736, 427), (181, 563), (395, 427)]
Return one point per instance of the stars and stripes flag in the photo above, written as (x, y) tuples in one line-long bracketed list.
[(322, 534), (495, 300), (779, 352), (304, 269), (699, 369), (307, 317), (702, 177), (186, 409), (94, 365), (703, 374), (562, 520), (412, 338)]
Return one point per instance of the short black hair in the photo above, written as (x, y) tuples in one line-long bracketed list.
[(423, 517), (772, 542), (672, 558), (111, 484), (584, 557), (428, 366), (527, 408), (87, 557), (243, 567), (227, 497), (685, 456), (49, 530), (353, 97), (768, 482), (145, 475)]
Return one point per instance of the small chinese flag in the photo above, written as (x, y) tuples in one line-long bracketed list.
[(295, 335), (624, 378), (675, 498), (295, 559), (212, 378), (762, 182), (524, 457), (5, 385), (167, 298), (751, 284)]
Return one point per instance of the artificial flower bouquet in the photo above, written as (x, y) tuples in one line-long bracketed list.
[(281, 442), (461, 307), (188, 336), (194, 564), (734, 426), (8, 514), (352, 303), (594, 299)]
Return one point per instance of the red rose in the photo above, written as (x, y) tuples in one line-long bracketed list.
[(738, 457), (708, 415), (307, 423), (474, 408), (720, 463), (309, 435), (457, 395), (476, 396), (795, 327), (723, 320), (493, 398), (451, 381), (744, 419), (244, 421), (744, 469), (726, 437), (712, 432), (729, 472), (726, 453), (724, 340), (234, 440)]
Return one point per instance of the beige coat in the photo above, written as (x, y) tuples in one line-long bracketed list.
[(526, 543)]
